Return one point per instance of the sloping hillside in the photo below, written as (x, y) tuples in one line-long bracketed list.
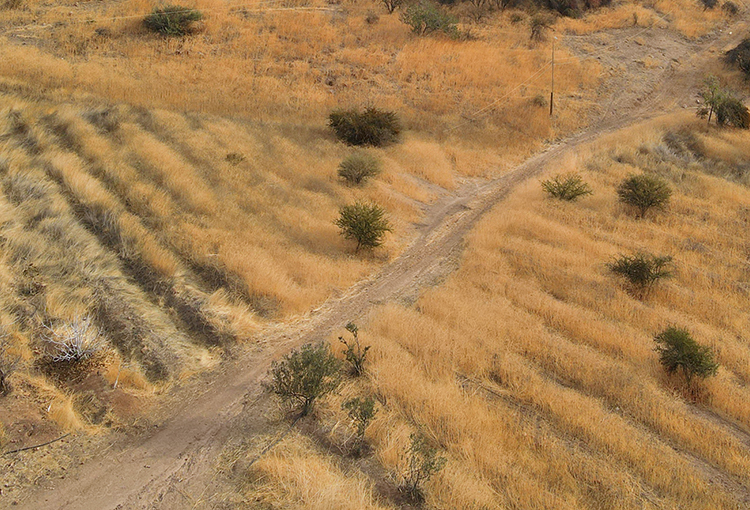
[(532, 369)]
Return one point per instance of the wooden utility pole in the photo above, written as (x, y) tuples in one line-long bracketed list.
[(552, 92)]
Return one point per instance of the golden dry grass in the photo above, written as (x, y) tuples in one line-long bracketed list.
[(182, 192), (534, 371)]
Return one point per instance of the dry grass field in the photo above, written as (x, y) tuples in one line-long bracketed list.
[(533, 370), (180, 195)]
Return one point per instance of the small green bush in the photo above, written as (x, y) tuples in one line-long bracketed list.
[(644, 192), (354, 353), (730, 8), (709, 4), (642, 271), (732, 112), (172, 20), (425, 17), (358, 167), (235, 158), (304, 376), (422, 461), (568, 187), (679, 351), (392, 5), (728, 109), (361, 411), (538, 26), (740, 56), (364, 223), (372, 127)]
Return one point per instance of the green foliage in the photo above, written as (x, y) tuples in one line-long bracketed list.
[(732, 112), (422, 461), (372, 127), (354, 354), (235, 158), (740, 56), (730, 8), (358, 167), (642, 270), (679, 351), (364, 223), (709, 4), (173, 20), (729, 110), (568, 187), (644, 192), (538, 25), (361, 411), (392, 5), (425, 17), (304, 376)]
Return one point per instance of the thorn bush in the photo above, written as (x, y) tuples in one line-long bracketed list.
[(304, 376), (373, 126), (679, 351), (425, 17), (364, 223), (422, 461), (172, 20), (642, 271), (644, 192), (358, 167), (569, 187), (361, 411), (354, 353)]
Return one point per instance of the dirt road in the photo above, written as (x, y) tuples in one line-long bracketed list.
[(172, 465)]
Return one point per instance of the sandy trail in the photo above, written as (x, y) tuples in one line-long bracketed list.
[(173, 465)]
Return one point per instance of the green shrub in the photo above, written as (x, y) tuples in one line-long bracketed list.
[(392, 5), (354, 353), (728, 109), (538, 26), (422, 461), (679, 351), (740, 56), (235, 158), (732, 112), (730, 8), (644, 192), (358, 167), (173, 20), (364, 223), (709, 4), (425, 17), (304, 376), (568, 187), (361, 411), (372, 127), (642, 271)]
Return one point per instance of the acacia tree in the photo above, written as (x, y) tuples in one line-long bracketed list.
[(679, 351), (642, 271), (422, 461), (721, 103), (305, 376), (644, 192), (364, 223)]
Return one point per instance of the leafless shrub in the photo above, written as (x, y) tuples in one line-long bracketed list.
[(73, 342)]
